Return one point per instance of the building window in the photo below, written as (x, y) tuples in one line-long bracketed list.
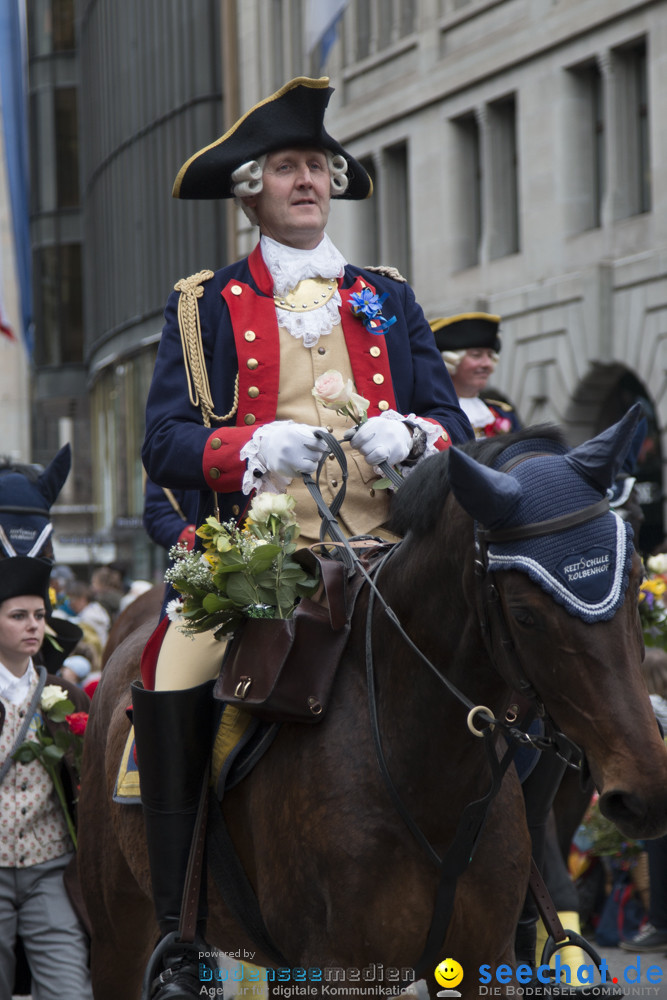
[(396, 241), (380, 23), (366, 221), (468, 199), (67, 147), (587, 143), (503, 174), (58, 305), (631, 94), (51, 27)]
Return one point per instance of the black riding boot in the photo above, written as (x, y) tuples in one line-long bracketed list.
[(173, 731)]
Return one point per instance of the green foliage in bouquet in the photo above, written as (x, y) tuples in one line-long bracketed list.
[(243, 572), (604, 837)]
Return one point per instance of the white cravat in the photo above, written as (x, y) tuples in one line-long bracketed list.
[(476, 411), (288, 266), (15, 689)]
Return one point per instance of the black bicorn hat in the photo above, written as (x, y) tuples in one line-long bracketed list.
[(474, 329), (25, 575), (292, 117)]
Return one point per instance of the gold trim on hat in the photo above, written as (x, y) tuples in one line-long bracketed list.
[(438, 324), (300, 81), (310, 293)]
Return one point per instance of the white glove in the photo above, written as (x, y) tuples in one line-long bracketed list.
[(289, 449), (381, 440)]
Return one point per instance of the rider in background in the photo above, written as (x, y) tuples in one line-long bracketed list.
[(266, 328), (170, 515), (470, 346)]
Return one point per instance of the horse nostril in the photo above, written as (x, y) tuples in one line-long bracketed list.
[(626, 810)]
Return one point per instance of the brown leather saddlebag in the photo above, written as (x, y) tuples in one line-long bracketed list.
[(282, 670)]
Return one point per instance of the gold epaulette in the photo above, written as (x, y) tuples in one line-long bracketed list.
[(387, 271), (501, 404), (199, 388)]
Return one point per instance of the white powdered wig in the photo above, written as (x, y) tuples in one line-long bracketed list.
[(453, 359)]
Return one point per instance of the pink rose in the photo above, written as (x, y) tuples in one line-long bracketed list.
[(332, 390)]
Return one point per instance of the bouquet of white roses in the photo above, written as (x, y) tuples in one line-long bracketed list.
[(243, 572)]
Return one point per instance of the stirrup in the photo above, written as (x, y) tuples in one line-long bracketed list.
[(169, 943)]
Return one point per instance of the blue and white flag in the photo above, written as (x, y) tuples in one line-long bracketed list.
[(321, 26)]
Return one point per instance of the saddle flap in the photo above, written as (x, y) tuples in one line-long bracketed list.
[(282, 670)]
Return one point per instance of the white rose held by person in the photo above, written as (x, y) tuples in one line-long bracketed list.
[(267, 505), (51, 695), (332, 391)]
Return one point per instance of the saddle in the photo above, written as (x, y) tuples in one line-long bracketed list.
[(282, 670)]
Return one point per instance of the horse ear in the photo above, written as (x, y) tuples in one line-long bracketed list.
[(52, 480), (601, 459), (487, 495)]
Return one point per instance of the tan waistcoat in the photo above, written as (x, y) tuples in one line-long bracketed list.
[(364, 508)]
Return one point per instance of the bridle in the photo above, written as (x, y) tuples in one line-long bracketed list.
[(482, 723)]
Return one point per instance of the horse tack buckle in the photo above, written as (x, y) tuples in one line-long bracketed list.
[(243, 686)]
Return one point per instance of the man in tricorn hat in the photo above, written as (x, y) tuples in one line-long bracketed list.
[(231, 410), (470, 345)]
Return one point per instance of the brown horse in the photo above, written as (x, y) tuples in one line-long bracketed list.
[(341, 880)]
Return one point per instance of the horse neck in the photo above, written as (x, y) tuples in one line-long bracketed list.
[(427, 584)]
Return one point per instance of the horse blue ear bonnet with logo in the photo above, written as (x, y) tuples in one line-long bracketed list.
[(584, 568), (25, 505)]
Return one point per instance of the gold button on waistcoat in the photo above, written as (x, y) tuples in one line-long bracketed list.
[(249, 335), (249, 418), (236, 290), (253, 392), (216, 443), (214, 473), (383, 405), (375, 352), (252, 363), (236, 510), (378, 379)]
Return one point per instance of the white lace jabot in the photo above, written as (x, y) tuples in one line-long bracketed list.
[(288, 266)]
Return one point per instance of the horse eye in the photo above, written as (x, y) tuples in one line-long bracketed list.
[(523, 616)]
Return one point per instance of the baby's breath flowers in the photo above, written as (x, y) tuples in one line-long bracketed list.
[(243, 572)]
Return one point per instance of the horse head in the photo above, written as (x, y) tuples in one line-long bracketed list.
[(26, 496), (566, 574)]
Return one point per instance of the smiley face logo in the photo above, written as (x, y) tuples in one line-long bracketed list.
[(449, 973)]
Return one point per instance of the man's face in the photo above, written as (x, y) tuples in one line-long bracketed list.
[(293, 205), (474, 371)]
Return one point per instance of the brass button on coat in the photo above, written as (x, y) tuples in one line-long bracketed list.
[(253, 392), (252, 363), (249, 418), (383, 405), (236, 290), (249, 335), (375, 352), (216, 443), (214, 473), (378, 379)]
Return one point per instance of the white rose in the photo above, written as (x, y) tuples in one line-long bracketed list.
[(267, 505), (657, 563), (331, 389), (51, 695)]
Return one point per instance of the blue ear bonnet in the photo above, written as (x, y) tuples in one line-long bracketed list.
[(585, 568)]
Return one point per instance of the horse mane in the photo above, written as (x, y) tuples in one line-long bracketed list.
[(31, 472), (417, 504)]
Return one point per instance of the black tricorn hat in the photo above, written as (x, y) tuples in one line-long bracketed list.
[(21, 575), (458, 333), (292, 117)]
